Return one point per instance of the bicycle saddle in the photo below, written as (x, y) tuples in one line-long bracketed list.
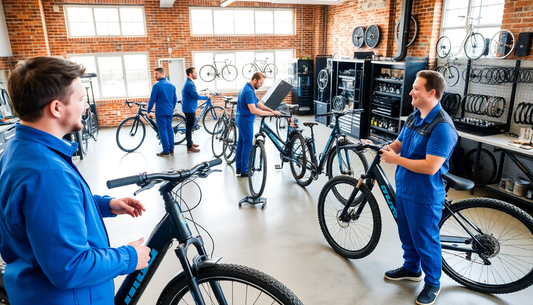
[(234, 102), (227, 98), (457, 183), (310, 124)]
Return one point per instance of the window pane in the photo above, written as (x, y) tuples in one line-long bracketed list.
[(137, 74), (452, 18), (80, 21), (106, 15), (282, 62), (131, 15), (283, 22), (201, 22), (244, 22), (456, 38), (90, 67), (201, 59), (132, 29), (264, 22), (220, 82), (243, 58), (111, 76), (223, 22)]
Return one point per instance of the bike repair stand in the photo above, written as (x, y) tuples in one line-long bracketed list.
[(253, 201)]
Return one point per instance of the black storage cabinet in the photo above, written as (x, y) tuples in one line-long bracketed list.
[(301, 77)]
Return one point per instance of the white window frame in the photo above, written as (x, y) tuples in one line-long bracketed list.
[(125, 75), (212, 9), (466, 22), (92, 7), (213, 84)]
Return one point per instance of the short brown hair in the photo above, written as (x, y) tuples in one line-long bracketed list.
[(160, 70), (258, 76), (434, 80), (36, 82), (190, 70)]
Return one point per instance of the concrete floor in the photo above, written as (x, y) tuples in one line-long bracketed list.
[(283, 240)]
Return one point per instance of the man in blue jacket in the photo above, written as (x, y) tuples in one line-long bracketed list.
[(189, 104), (165, 98), (52, 235)]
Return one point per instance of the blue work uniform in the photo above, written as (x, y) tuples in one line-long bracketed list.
[(245, 123), (164, 97), (420, 197), (189, 104), (52, 235)]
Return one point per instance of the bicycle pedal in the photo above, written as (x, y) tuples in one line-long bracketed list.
[(278, 166)]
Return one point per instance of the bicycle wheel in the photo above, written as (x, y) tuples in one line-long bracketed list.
[(239, 284), (230, 143), (308, 175), (271, 70), (282, 124), (359, 236), (297, 156), (248, 70), (84, 144), (502, 44), (352, 163), (486, 170), (451, 75), (179, 128), (257, 169), (211, 117), (81, 148), (475, 46), (130, 134), (229, 73), (217, 140), (208, 73), (95, 129), (444, 47), (413, 26), (504, 230), (3, 298)]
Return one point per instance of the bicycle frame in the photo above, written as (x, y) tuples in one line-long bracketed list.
[(470, 33), (278, 142), (260, 61), (205, 107)]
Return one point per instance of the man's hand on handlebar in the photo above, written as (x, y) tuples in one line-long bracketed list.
[(276, 113)]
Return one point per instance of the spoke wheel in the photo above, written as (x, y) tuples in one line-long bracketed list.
[(413, 32), (486, 170), (372, 36), (271, 70), (179, 128), (230, 73), (130, 134), (506, 233), (502, 44), (444, 47), (248, 70), (475, 46), (322, 80), (257, 169), (230, 143), (451, 75), (282, 125), (208, 73), (217, 140), (95, 129), (297, 156), (211, 117)]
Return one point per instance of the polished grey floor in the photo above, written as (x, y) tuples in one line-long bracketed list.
[(283, 240)]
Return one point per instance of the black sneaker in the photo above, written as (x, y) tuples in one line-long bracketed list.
[(244, 174), (402, 274), (428, 295), (238, 172), (171, 152)]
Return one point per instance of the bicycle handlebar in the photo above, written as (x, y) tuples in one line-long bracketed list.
[(340, 113), (140, 104), (172, 176)]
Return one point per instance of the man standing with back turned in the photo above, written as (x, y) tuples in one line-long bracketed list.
[(52, 235), (425, 144), (189, 104), (165, 98)]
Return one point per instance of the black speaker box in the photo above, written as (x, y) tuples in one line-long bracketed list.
[(523, 47)]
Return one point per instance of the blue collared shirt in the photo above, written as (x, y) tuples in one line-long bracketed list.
[(190, 97), (425, 188), (246, 96), (164, 96), (52, 235)]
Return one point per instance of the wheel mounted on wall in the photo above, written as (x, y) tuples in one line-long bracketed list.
[(413, 26), (372, 35), (322, 80), (358, 36)]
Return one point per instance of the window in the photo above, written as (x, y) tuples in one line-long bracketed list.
[(91, 20), (455, 27), (119, 75), (241, 21), (240, 58)]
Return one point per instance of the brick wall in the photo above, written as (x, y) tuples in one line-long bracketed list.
[(518, 18)]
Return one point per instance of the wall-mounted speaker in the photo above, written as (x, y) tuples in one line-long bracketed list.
[(523, 46)]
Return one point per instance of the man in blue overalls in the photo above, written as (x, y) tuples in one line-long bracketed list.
[(189, 104), (165, 98), (425, 144), (247, 108)]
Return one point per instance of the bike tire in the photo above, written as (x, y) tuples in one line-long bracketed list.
[(211, 117), (78, 135), (505, 228), (257, 169), (208, 73), (95, 128), (130, 134), (475, 46), (248, 71), (229, 73), (84, 137), (230, 143), (358, 237), (397, 29), (282, 126), (496, 44), (248, 283), (451, 76), (487, 167), (297, 156), (354, 161), (179, 128), (310, 169), (217, 140), (271, 70), (443, 47)]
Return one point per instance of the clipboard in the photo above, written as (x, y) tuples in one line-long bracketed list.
[(276, 94)]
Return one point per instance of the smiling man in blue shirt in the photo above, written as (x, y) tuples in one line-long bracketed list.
[(425, 145), (189, 105), (52, 235)]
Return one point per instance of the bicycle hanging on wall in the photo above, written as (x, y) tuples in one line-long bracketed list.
[(229, 72)]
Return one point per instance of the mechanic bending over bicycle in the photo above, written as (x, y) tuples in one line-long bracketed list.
[(189, 104), (247, 107), (164, 97), (425, 145), (52, 235)]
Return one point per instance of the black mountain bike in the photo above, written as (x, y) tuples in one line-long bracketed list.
[(131, 132), (225, 133), (487, 244), (203, 280)]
